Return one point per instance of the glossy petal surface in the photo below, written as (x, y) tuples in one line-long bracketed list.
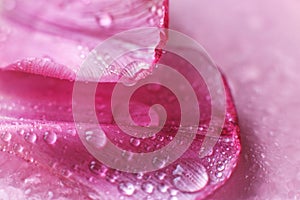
[(37, 128)]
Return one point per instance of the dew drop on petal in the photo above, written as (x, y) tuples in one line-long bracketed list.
[(135, 142), (50, 137), (159, 162), (95, 138), (163, 188), (220, 167), (219, 174), (147, 187), (30, 137), (6, 137), (126, 188), (18, 148), (193, 178), (104, 20), (160, 175)]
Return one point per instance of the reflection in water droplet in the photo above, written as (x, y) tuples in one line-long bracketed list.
[(50, 137), (126, 188), (6, 137), (104, 20), (95, 138), (193, 178), (30, 137)]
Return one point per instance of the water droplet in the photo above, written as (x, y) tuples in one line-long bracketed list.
[(30, 137), (139, 175), (104, 20), (163, 188), (135, 142), (71, 131), (153, 8), (159, 162), (98, 168), (159, 12), (50, 195), (18, 148), (151, 21), (178, 171), (50, 137), (220, 167), (173, 192), (96, 138), (126, 188), (160, 175), (66, 173), (193, 179), (6, 137), (219, 174), (147, 187), (21, 132)]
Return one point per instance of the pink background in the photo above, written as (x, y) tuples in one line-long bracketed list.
[(257, 45)]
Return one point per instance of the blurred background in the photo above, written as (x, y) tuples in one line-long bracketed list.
[(257, 46)]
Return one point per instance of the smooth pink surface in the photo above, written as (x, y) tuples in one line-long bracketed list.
[(257, 45)]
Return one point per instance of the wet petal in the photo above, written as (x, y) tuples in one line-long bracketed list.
[(53, 38), (37, 126)]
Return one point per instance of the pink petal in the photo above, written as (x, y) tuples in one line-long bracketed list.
[(37, 121), (54, 38)]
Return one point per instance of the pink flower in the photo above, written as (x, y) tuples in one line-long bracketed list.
[(42, 46)]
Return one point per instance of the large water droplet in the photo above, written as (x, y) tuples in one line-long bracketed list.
[(95, 138), (193, 178), (30, 137), (50, 137), (126, 188)]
